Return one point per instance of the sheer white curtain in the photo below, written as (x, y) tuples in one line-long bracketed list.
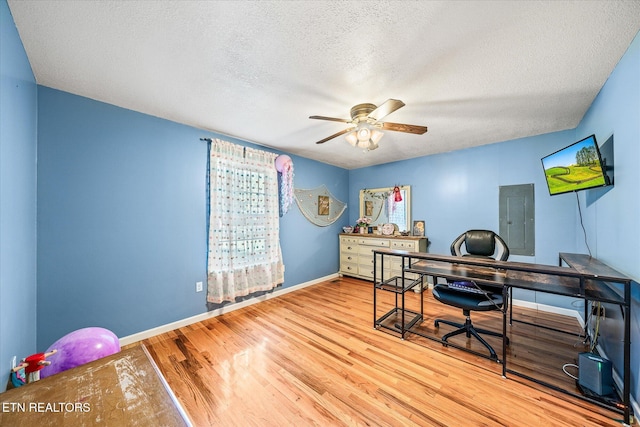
[(244, 244)]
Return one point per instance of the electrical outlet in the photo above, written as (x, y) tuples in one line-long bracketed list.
[(198, 286)]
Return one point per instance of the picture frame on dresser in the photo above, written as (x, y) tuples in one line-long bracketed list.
[(418, 228)]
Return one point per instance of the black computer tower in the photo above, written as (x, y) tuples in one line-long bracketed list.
[(595, 373)]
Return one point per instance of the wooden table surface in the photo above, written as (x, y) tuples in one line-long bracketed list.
[(124, 389)]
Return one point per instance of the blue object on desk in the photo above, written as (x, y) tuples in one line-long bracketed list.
[(465, 286)]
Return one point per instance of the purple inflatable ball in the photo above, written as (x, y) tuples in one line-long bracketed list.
[(80, 347)]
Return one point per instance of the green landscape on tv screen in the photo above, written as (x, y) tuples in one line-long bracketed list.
[(576, 167)]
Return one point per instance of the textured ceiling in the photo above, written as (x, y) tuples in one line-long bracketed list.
[(474, 72)]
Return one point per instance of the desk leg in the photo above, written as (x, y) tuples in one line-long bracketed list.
[(505, 293), (510, 307), (403, 321), (626, 400), (588, 306), (375, 279), (374, 305), (422, 296)]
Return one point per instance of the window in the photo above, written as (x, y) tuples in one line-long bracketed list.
[(244, 253)]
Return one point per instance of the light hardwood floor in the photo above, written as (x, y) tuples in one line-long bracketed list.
[(312, 357)]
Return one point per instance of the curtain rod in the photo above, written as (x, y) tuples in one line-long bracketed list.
[(237, 138)]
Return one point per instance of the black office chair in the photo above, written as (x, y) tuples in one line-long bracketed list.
[(482, 244)]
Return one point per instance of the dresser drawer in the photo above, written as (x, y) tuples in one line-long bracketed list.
[(349, 268), (366, 262), (365, 269), (350, 240), (394, 263), (404, 245), (366, 251), (379, 243), (349, 257), (349, 247)]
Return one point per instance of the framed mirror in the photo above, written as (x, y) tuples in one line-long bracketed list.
[(382, 206)]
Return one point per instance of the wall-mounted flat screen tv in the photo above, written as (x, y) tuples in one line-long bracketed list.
[(576, 167)]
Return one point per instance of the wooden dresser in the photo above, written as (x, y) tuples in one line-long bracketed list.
[(356, 253)]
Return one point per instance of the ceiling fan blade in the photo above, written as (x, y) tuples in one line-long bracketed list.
[(399, 127), (342, 132), (332, 119), (386, 108)]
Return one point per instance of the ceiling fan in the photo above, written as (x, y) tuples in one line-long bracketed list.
[(364, 127)]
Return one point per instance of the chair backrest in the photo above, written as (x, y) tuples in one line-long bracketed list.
[(480, 243)]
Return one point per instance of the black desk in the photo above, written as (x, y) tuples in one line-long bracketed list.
[(585, 278)]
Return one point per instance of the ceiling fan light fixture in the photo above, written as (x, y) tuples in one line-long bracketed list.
[(364, 128), (376, 136), (364, 137), (352, 138), (364, 134)]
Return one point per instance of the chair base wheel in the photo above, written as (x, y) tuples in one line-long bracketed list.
[(469, 330)]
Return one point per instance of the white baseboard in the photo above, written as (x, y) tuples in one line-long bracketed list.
[(130, 339), (550, 309)]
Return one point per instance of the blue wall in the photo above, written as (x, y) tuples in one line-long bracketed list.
[(310, 251), (612, 221), (457, 191), (612, 218), (121, 219), (18, 124)]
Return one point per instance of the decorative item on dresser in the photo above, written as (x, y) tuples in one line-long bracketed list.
[(356, 253), (418, 228), (363, 224)]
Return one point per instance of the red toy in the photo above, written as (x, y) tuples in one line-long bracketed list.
[(398, 195), (33, 364)]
